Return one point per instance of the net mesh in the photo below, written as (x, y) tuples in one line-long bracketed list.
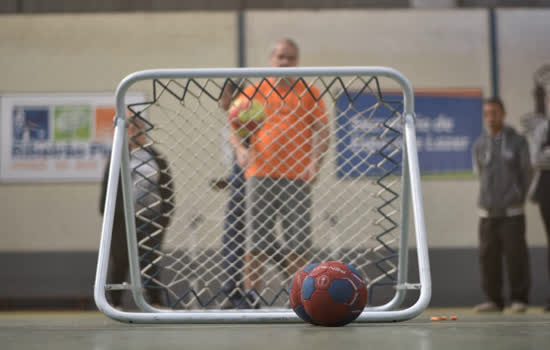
[(193, 207)]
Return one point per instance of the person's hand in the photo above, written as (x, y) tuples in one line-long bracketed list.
[(543, 161), (242, 157), (227, 96), (312, 172)]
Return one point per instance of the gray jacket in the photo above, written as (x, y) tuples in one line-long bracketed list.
[(537, 131), (504, 169)]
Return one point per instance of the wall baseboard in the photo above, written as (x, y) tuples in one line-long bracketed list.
[(52, 303), (64, 280)]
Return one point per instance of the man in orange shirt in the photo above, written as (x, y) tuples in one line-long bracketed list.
[(281, 162)]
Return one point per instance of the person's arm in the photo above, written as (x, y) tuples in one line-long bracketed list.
[(321, 137), (228, 95), (541, 155), (525, 165), (103, 194), (543, 159), (475, 158), (237, 143), (239, 148), (321, 141), (166, 189)]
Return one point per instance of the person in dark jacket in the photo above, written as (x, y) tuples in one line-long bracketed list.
[(154, 204), (501, 161), (537, 130), (234, 225)]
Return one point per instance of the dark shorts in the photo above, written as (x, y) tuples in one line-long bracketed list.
[(286, 199)]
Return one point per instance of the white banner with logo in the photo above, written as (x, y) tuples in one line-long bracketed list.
[(56, 137)]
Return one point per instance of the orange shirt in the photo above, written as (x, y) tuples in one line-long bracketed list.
[(282, 147)]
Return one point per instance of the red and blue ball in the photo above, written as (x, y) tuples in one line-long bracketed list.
[(333, 294), (295, 291)]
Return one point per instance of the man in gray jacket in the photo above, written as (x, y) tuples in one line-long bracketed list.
[(501, 161)]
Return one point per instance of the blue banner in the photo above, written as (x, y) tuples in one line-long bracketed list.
[(369, 133)]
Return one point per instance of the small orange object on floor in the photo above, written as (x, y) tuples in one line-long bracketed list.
[(434, 318), (454, 318)]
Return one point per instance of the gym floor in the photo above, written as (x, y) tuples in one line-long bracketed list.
[(93, 330)]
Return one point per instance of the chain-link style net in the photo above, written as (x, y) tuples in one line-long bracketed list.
[(212, 235)]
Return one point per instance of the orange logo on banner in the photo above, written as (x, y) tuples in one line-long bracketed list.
[(104, 124)]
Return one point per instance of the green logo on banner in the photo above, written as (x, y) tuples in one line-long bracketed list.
[(72, 123)]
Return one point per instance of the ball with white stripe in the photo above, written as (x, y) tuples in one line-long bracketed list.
[(334, 294)]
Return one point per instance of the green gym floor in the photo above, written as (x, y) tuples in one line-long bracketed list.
[(92, 330)]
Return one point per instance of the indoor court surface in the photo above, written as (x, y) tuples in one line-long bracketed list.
[(92, 330)]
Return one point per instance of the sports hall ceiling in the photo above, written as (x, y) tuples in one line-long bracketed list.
[(55, 6)]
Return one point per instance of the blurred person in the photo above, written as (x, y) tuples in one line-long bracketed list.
[(537, 129), (234, 227), (281, 162), (154, 203), (501, 161)]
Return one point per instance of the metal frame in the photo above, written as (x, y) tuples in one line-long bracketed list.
[(411, 195)]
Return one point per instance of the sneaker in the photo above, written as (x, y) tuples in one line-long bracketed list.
[(254, 299), (236, 302), (518, 307), (488, 307), (160, 306), (547, 308)]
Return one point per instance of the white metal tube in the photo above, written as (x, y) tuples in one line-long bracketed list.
[(108, 217), (262, 72)]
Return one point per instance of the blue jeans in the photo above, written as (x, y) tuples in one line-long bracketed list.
[(234, 230)]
